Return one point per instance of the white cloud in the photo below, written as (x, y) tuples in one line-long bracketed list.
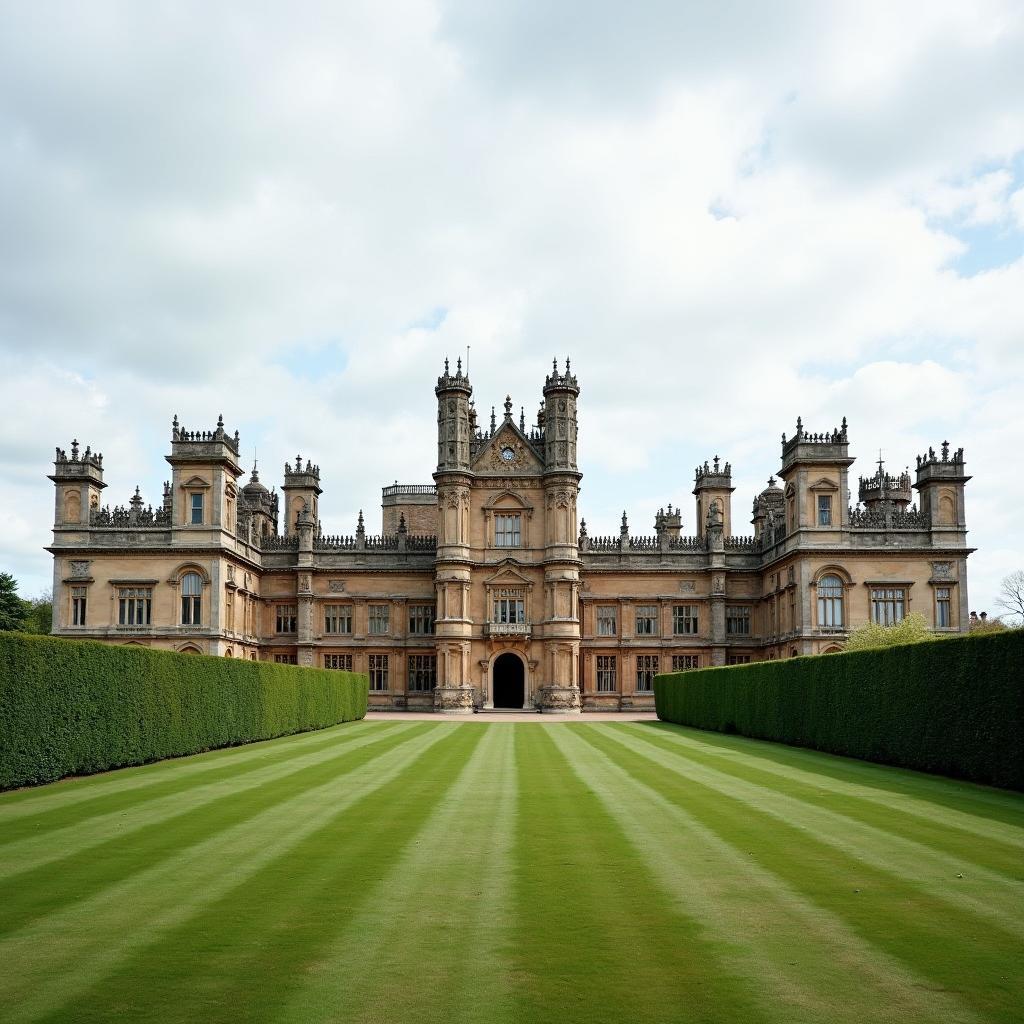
[(728, 216)]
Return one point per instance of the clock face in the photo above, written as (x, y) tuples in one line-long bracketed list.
[(508, 454)]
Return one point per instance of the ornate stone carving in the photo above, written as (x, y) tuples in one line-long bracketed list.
[(336, 586), (565, 699), (718, 584), (942, 570), (79, 568), (688, 586), (454, 700)]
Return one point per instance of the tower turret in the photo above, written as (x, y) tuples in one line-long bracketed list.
[(940, 483), (561, 391), (453, 419), (712, 487), (204, 470), (78, 482), (301, 492), (874, 491), (815, 474)]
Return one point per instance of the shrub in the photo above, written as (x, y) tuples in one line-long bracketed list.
[(954, 708), (71, 707), (912, 629)]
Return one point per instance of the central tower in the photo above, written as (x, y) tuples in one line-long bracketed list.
[(453, 569), (560, 628)]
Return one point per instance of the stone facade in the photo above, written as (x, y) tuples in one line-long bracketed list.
[(484, 588)]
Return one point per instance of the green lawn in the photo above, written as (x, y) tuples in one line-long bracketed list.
[(432, 871)]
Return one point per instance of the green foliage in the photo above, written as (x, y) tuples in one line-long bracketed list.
[(913, 629), (953, 708), (12, 607), (72, 707), (39, 614)]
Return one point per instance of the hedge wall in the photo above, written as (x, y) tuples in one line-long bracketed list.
[(70, 707), (953, 707)]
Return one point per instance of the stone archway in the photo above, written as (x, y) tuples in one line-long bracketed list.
[(508, 681)]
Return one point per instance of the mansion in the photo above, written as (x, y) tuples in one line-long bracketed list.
[(484, 589)]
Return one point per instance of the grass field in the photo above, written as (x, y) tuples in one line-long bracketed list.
[(432, 871)]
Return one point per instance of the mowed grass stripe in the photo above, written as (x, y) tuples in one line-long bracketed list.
[(39, 891), (595, 937), (56, 840), (431, 940), (63, 954), (887, 812), (804, 963), (979, 810), (890, 920), (955, 880), (239, 957), (76, 794)]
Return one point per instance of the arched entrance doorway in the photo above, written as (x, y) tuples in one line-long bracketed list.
[(509, 687)]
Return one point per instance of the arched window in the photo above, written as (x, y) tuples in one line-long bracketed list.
[(830, 602), (191, 599)]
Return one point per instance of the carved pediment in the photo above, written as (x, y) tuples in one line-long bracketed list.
[(509, 451), (507, 574)]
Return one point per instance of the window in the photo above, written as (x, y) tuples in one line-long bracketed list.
[(378, 672), (824, 509), (684, 620), (78, 606), (647, 620), (338, 618), (422, 672), (830, 602), (197, 510), (606, 673), (421, 619), (507, 531), (285, 659), (683, 662), (646, 670), (606, 620), (943, 608), (338, 661), (509, 610), (737, 620), (888, 605), (286, 616), (134, 606), (737, 659), (380, 619), (191, 599)]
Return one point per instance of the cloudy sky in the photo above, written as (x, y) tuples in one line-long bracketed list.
[(728, 214)]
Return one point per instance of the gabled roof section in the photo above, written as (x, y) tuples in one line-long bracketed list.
[(526, 458), (507, 574)]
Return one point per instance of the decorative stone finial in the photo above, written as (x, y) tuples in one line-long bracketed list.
[(220, 420), (446, 366), (74, 450), (494, 422), (508, 407), (522, 419)]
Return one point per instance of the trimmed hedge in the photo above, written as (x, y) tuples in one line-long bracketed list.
[(952, 707), (71, 707)]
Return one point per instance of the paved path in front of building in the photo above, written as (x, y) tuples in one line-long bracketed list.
[(513, 716)]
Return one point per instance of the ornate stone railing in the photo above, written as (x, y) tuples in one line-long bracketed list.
[(335, 542), (122, 517), (382, 543), (271, 543), (742, 543), (643, 544), (889, 518), (425, 542), (686, 544), (521, 629), (393, 489)]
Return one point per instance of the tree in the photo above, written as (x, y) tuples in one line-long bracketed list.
[(913, 629), (40, 613), (12, 608), (1011, 595)]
